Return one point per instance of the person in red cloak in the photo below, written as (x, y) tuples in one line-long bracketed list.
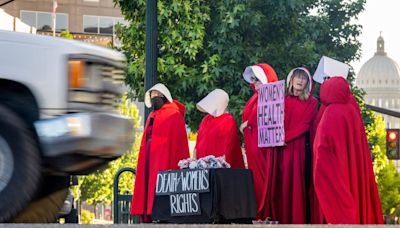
[(218, 133), (316, 213), (343, 177), (164, 144), (287, 173), (256, 157)]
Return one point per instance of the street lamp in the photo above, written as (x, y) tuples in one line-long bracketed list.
[(151, 48)]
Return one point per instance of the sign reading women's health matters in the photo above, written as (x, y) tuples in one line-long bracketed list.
[(270, 114)]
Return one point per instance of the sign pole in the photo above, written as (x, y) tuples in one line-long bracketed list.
[(151, 48)]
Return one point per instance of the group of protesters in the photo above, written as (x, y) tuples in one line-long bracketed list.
[(322, 174)]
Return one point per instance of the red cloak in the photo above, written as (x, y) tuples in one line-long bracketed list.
[(316, 213), (315, 209), (218, 136), (168, 145), (290, 189), (344, 181), (257, 157)]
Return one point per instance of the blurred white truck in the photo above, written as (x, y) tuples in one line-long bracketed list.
[(58, 101)]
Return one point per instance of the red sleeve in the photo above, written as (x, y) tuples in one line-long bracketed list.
[(200, 133), (305, 122), (180, 149), (233, 149)]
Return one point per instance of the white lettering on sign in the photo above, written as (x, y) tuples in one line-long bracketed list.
[(184, 204), (182, 181)]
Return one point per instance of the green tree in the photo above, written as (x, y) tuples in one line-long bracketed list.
[(385, 172), (207, 44), (98, 187), (66, 35)]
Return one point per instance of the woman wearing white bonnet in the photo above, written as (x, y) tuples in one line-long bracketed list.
[(217, 134), (289, 183), (164, 144)]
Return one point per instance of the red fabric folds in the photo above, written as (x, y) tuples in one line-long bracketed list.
[(344, 181), (218, 136), (257, 157), (168, 145), (286, 199)]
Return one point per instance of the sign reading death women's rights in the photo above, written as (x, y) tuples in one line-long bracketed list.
[(270, 114), (183, 188)]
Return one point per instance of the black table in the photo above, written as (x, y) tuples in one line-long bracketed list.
[(231, 199)]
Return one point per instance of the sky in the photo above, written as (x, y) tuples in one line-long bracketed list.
[(379, 15)]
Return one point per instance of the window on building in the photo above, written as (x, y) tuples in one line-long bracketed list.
[(100, 24), (106, 25), (90, 24), (44, 20), (29, 18), (379, 102), (61, 22), (121, 21)]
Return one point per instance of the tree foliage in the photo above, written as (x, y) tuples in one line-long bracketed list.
[(206, 44), (385, 172), (66, 35)]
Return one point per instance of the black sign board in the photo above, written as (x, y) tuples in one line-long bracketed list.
[(183, 188)]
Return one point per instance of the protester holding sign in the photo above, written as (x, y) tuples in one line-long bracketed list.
[(218, 133), (164, 144), (288, 199), (256, 157), (343, 176)]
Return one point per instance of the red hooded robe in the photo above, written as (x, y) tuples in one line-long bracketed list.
[(344, 181), (218, 136), (167, 146), (316, 213), (286, 199), (257, 157)]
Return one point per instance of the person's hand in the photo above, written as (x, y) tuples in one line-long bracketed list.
[(243, 126)]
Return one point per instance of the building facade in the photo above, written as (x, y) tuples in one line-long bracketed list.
[(87, 20), (380, 78)]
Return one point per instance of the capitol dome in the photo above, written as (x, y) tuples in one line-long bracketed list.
[(379, 72)]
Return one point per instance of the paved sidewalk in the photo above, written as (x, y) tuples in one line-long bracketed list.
[(185, 226)]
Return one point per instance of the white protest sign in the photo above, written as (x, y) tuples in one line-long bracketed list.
[(328, 67), (270, 114)]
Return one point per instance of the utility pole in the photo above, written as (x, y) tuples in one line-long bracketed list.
[(55, 5), (151, 48)]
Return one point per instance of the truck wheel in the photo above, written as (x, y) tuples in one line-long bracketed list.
[(19, 164), (43, 210)]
